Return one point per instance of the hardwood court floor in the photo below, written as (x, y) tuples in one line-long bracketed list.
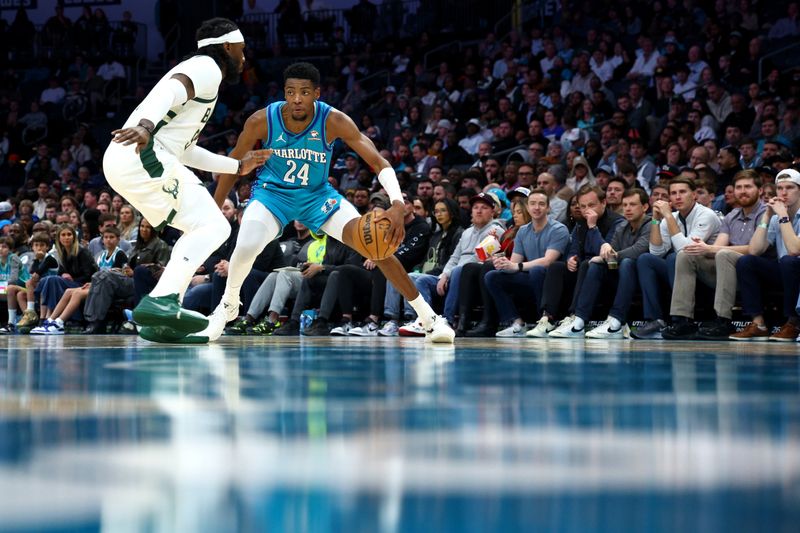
[(396, 435)]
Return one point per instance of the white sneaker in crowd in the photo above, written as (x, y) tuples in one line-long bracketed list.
[(343, 330), (566, 331), (42, 330), (542, 328), (604, 331), (368, 329), (412, 329)]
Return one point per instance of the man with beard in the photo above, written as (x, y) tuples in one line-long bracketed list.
[(147, 164), (715, 265)]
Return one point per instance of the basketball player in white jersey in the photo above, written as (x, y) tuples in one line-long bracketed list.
[(147, 164)]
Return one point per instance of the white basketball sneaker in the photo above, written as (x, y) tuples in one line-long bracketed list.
[(224, 313), (439, 331)]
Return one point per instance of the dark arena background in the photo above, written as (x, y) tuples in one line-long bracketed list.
[(626, 360)]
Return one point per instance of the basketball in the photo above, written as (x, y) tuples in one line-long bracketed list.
[(369, 236)]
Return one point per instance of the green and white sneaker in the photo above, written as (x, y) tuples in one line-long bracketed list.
[(166, 311), (167, 335)]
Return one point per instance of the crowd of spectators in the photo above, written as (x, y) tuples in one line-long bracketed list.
[(639, 147)]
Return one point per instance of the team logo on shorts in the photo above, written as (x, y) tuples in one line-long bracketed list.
[(330, 203), (171, 188), (314, 135)]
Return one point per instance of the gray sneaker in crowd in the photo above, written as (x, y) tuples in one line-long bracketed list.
[(649, 330), (514, 330), (390, 329)]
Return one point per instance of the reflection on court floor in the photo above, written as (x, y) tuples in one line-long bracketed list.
[(390, 435)]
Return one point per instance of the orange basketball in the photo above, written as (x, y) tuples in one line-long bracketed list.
[(369, 236)]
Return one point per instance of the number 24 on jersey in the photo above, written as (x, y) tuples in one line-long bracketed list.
[(293, 174)]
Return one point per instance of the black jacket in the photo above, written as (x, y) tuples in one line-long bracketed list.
[(80, 266), (412, 250)]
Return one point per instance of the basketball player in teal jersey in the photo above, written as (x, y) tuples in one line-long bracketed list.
[(293, 185)]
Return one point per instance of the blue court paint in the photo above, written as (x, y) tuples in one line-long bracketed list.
[(396, 435)]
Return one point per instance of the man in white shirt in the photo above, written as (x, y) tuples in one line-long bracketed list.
[(475, 136), (696, 66), (111, 70), (646, 63), (601, 67), (669, 234)]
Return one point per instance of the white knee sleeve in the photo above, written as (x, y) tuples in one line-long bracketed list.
[(259, 227)]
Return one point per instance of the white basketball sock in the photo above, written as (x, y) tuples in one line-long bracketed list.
[(204, 230), (188, 254), (423, 309), (578, 324), (614, 324), (259, 227)]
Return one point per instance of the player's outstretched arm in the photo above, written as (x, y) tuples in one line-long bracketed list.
[(178, 90), (342, 126), (255, 130)]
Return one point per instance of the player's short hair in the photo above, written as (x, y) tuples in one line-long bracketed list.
[(302, 71)]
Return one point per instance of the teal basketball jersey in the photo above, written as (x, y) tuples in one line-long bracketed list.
[(299, 160)]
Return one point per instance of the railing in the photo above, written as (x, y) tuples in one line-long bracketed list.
[(206, 140), (172, 41), (396, 18), (774, 53), (67, 47)]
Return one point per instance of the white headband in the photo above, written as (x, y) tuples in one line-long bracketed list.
[(231, 37)]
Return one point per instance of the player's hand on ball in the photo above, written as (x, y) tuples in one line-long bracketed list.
[(395, 216), (254, 159)]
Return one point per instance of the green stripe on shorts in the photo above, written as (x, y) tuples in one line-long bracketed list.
[(150, 162)]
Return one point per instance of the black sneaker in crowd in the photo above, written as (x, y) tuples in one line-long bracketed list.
[(649, 330), (290, 329), (718, 329), (682, 329), (239, 327), (319, 328)]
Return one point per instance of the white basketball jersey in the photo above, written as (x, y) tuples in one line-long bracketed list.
[(181, 126)]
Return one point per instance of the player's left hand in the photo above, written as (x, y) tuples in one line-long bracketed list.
[(254, 159), (395, 215)]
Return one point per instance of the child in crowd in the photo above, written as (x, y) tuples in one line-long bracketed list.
[(37, 264), (112, 257)]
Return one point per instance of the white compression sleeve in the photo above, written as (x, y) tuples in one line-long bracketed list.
[(388, 179), (161, 99), (197, 157)]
